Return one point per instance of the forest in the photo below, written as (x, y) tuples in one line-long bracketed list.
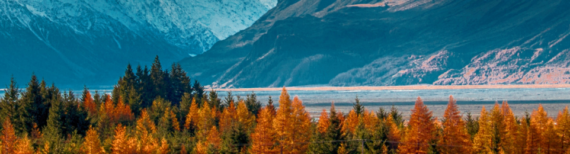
[(160, 111)]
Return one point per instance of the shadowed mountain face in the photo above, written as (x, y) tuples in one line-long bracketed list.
[(374, 43), (78, 42)]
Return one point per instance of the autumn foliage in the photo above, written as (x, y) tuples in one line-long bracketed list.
[(207, 124)]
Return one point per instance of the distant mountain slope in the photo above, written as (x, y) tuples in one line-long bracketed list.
[(91, 42), (401, 42)]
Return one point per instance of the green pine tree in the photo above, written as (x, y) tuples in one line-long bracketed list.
[(472, 125), (253, 105), (52, 131), (358, 108), (214, 100), (24, 119), (9, 103)]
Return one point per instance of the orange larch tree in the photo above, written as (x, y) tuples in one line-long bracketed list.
[(538, 125), (550, 142), (120, 141), (192, 117), (498, 128), (228, 117), (301, 122), (420, 130), (511, 129), (263, 137), (9, 139), (454, 131), (244, 116), (123, 112), (282, 122), (92, 144), (522, 136), (350, 123), (205, 120), (89, 104), (145, 129), (324, 122), (214, 138), (370, 121), (394, 133), (175, 123), (164, 147), (563, 129), (483, 139), (24, 146)]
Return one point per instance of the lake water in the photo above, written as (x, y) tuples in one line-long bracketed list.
[(521, 100)]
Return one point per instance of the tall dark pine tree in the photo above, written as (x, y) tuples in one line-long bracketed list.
[(98, 98), (134, 100), (145, 88), (40, 110), (9, 103), (77, 118), (116, 93), (358, 108), (334, 131), (126, 83), (84, 93), (179, 84), (157, 79), (184, 108), (214, 101), (199, 91), (23, 119), (270, 106), (253, 105), (382, 113), (228, 99), (397, 116), (52, 131)]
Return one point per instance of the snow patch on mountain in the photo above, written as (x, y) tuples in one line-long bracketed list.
[(179, 21)]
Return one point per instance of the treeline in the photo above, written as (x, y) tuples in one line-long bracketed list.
[(158, 111)]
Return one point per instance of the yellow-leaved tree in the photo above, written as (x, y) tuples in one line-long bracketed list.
[(420, 130), (538, 126), (92, 144), (244, 117), (563, 130), (350, 123), (483, 139), (192, 117), (263, 137), (9, 138), (324, 122), (370, 121), (511, 129), (454, 131), (281, 123), (301, 122), (24, 146)]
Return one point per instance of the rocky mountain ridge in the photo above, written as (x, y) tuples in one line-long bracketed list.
[(401, 42)]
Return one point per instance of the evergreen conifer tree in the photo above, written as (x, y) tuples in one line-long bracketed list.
[(270, 106), (358, 108), (252, 103), (472, 125), (24, 118), (199, 91), (9, 103)]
